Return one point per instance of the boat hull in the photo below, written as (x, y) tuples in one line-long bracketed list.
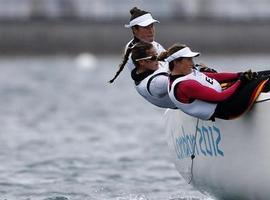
[(232, 157)]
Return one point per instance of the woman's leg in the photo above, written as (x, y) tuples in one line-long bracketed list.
[(239, 102)]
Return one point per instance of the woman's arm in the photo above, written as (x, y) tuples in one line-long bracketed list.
[(223, 77), (190, 90)]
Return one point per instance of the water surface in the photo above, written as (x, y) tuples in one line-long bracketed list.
[(65, 134)]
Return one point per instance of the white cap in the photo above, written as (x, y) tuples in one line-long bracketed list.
[(143, 20), (182, 53)]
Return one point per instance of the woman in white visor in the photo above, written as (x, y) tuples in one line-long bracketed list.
[(142, 25), (201, 95)]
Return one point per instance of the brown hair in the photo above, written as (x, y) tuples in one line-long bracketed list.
[(135, 12), (171, 50), (140, 51), (122, 64)]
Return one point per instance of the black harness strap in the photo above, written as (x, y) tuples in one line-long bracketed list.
[(149, 81)]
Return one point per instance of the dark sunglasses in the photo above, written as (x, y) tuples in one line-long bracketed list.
[(151, 58)]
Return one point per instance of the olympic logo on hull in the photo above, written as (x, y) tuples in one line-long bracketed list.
[(207, 142)]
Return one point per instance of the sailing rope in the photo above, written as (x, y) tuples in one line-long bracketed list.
[(193, 152)]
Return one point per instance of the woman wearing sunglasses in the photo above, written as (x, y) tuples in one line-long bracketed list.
[(150, 78), (201, 95)]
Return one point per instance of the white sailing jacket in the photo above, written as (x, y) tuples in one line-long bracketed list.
[(154, 88), (200, 109)]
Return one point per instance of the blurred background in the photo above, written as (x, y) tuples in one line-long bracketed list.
[(67, 26), (65, 133)]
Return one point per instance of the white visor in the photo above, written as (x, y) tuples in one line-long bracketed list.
[(143, 20), (183, 53)]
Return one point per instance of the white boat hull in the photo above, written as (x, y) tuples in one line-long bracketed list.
[(232, 158)]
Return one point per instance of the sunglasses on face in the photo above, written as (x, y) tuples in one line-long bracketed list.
[(150, 58)]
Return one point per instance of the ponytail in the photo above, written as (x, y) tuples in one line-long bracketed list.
[(134, 12), (122, 64), (163, 55)]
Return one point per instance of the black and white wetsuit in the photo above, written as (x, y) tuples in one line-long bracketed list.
[(153, 86)]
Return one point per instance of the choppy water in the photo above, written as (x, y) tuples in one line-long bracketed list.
[(65, 134)]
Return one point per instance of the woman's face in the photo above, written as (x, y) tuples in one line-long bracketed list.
[(146, 34), (151, 63), (184, 66)]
